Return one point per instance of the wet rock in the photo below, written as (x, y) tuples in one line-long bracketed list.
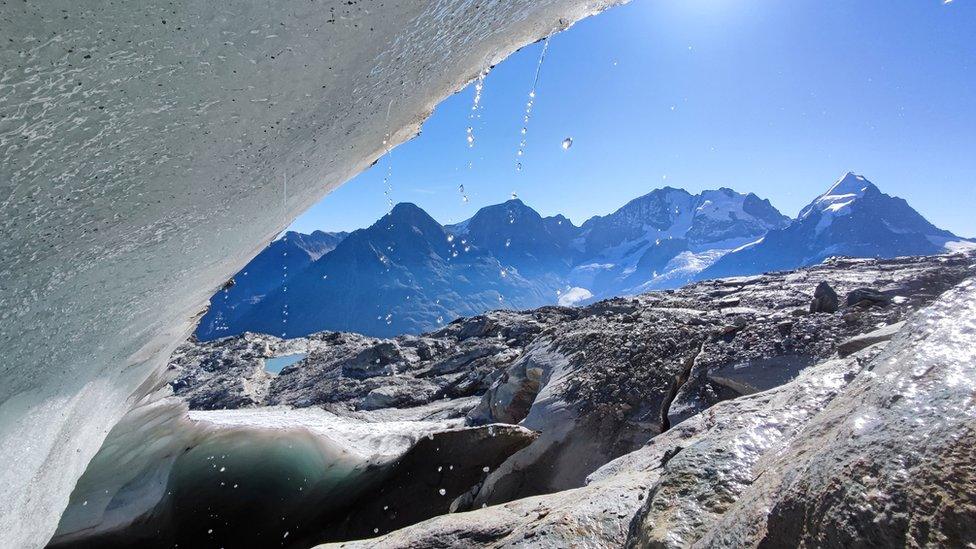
[(825, 299), (888, 463)]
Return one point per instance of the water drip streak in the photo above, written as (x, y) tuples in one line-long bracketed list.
[(284, 267), (542, 57), (388, 186), (479, 85), (528, 106)]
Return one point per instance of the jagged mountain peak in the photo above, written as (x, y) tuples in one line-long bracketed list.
[(840, 195), (407, 212), (852, 218), (850, 183), (407, 272)]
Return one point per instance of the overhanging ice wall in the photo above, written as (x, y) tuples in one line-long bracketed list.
[(143, 152)]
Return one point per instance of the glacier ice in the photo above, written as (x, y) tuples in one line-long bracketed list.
[(142, 154)]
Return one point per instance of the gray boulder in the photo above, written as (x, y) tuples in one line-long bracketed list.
[(866, 297), (825, 299)]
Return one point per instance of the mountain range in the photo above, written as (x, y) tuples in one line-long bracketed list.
[(408, 274)]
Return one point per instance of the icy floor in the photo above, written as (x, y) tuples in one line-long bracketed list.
[(370, 437)]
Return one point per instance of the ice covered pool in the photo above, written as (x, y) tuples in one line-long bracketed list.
[(277, 364)]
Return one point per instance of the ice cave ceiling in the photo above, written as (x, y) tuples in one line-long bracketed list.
[(144, 148)]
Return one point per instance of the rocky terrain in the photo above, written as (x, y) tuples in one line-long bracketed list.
[(870, 450), (640, 398), (639, 420)]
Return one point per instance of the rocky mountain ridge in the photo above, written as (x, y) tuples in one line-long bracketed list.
[(409, 274)]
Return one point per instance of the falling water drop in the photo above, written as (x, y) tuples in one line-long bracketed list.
[(514, 196), (528, 107), (387, 184), (442, 492), (567, 143), (479, 85)]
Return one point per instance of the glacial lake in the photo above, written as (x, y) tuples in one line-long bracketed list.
[(277, 364)]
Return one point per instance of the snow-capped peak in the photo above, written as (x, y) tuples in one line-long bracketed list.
[(721, 204), (839, 197)]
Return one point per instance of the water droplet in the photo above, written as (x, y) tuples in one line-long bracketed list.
[(508, 242), (567, 143), (442, 492), (485, 469), (450, 238), (503, 273), (529, 104)]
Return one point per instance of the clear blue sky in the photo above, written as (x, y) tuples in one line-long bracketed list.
[(773, 97)]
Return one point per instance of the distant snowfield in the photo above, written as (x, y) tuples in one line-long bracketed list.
[(574, 295)]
